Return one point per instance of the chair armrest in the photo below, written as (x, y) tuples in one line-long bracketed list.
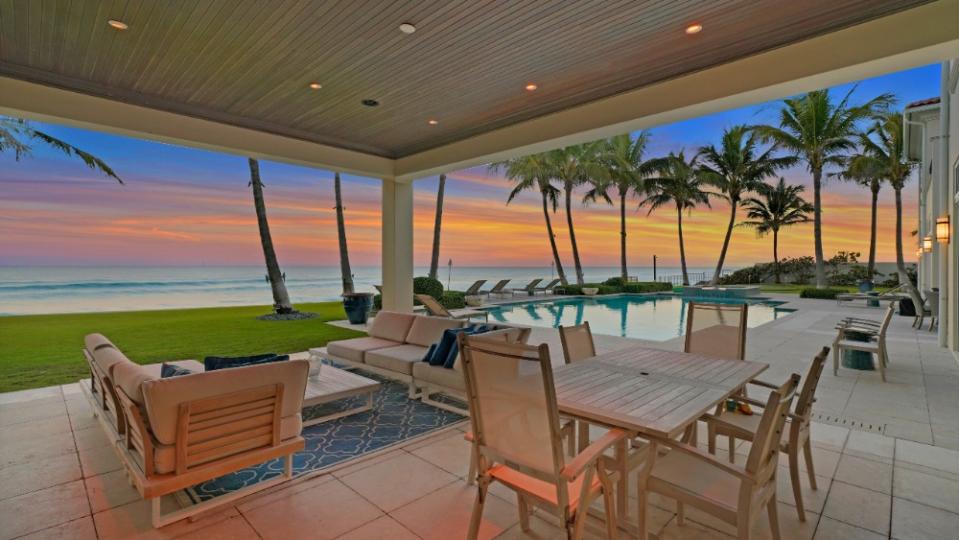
[(592, 453), (758, 382), (468, 436), (692, 451), (860, 329), (860, 320)]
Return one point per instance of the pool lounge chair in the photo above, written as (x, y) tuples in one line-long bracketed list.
[(548, 288), (474, 289), (530, 288), (437, 310), (891, 294), (499, 288)]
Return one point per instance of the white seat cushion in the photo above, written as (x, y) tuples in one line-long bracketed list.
[(399, 359), (439, 376), (356, 348)]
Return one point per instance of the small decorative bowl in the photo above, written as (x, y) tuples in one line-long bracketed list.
[(590, 291), (474, 301)]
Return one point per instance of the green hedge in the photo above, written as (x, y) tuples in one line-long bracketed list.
[(427, 285), (606, 288), (826, 294), (453, 300), (647, 287)]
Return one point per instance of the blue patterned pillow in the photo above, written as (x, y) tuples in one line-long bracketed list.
[(444, 345), (172, 370), (212, 363), (454, 352), (430, 352)]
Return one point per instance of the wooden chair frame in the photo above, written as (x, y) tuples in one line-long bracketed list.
[(588, 464), (798, 423), (742, 309), (876, 344)]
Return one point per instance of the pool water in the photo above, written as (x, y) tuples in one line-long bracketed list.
[(652, 317)]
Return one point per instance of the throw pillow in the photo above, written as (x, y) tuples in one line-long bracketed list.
[(430, 352), (444, 345), (212, 363), (172, 370)]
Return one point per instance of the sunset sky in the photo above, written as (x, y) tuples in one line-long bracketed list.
[(182, 206)]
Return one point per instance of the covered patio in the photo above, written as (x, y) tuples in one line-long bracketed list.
[(345, 89)]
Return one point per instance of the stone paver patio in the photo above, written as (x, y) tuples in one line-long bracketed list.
[(895, 474)]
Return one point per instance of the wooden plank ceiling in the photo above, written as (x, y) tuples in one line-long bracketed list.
[(249, 62)]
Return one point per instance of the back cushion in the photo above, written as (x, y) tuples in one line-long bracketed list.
[(106, 357), (391, 325), (164, 396), (426, 331), (93, 342), (129, 378), (213, 363)]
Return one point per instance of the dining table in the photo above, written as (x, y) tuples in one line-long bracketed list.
[(651, 393)]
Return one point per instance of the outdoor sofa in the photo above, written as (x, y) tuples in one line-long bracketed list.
[(176, 432), (397, 344)]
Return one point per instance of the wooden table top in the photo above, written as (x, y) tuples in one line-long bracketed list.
[(651, 391), (334, 383)]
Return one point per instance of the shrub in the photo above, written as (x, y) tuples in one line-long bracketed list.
[(573, 289), (453, 300), (378, 302), (646, 287), (614, 282), (427, 285), (825, 294)]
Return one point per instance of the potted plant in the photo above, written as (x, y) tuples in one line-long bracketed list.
[(357, 306)]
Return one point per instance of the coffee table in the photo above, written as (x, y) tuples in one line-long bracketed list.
[(332, 384)]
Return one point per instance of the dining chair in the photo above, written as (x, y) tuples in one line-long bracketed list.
[(796, 436), (516, 437), (577, 342), (732, 493), (717, 330), (931, 309), (875, 342)]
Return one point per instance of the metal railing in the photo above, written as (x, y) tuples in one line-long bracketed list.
[(694, 277)]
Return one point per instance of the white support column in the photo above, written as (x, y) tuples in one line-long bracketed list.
[(397, 246), (943, 200)]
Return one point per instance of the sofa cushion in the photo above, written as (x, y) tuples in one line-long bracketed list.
[(129, 378), (213, 363), (391, 325), (106, 357), (354, 349), (164, 396), (93, 342), (426, 331), (399, 359), (439, 376)]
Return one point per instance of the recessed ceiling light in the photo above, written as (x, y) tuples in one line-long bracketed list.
[(119, 25), (407, 28), (432, 122), (530, 87), (315, 86), (370, 102), (694, 29)]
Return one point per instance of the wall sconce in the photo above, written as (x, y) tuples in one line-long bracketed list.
[(927, 244), (943, 231)]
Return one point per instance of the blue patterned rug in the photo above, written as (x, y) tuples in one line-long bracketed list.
[(395, 418)]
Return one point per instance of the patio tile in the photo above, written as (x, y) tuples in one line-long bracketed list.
[(790, 527), (132, 521), (78, 529), (865, 473), (828, 437), (690, 530), (813, 500), (29, 477), (286, 489), (91, 438), (824, 462), (942, 459), (905, 429), (830, 529), (325, 511), (380, 528), (33, 394), (359, 464), (870, 446), (452, 454), (28, 411), (232, 528), (110, 490), (70, 389), (391, 484), (913, 521), (858, 506), (34, 449), (930, 489), (99, 460), (47, 427), (445, 514), (42, 509), (541, 528)]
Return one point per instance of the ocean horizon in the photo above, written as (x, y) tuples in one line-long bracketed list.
[(31, 290)]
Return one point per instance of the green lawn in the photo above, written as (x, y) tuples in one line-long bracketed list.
[(42, 350)]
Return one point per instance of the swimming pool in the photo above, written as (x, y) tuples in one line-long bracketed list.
[(652, 317)]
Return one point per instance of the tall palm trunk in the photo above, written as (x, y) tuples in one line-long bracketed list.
[(872, 230), (776, 255), (682, 247), (345, 272), (572, 233), (729, 232), (281, 300), (552, 243), (817, 226), (435, 260), (624, 273)]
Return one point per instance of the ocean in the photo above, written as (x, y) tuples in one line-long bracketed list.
[(47, 289)]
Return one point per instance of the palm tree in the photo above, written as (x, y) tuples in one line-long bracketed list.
[(16, 135), (574, 166), (281, 300), (678, 182), (532, 173), (622, 157), (435, 260), (884, 147), (777, 206), (818, 131), (864, 170), (737, 168), (345, 272)]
